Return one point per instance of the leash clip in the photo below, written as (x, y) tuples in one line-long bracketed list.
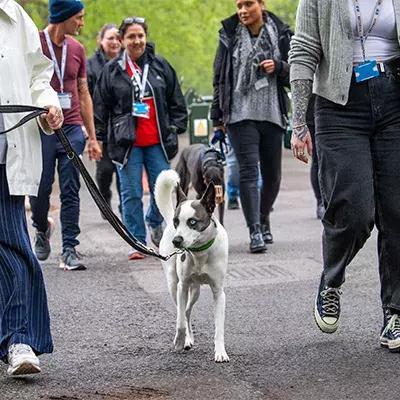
[(176, 252)]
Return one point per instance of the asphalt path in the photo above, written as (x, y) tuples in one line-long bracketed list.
[(113, 325)]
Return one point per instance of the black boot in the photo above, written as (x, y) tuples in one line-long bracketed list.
[(257, 244), (266, 229)]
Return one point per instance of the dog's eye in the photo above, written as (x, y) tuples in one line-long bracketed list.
[(191, 222), (175, 221)]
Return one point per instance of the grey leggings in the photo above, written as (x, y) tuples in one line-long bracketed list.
[(254, 143)]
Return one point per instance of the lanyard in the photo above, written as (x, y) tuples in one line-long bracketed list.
[(60, 74), (136, 75), (360, 27)]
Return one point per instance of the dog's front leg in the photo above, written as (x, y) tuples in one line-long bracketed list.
[(219, 316), (182, 298)]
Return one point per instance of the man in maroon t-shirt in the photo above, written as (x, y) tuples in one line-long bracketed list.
[(69, 81)]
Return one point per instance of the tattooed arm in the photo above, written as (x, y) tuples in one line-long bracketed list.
[(86, 105), (301, 93)]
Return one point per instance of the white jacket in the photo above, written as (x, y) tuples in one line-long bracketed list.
[(25, 75)]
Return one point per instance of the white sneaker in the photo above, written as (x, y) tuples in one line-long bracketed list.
[(22, 360)]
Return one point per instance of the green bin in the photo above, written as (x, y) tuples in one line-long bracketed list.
[(288, 135), (199, 124)]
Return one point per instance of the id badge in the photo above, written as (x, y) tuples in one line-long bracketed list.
[(366, 70), (65, 100), (141, 110), (261, 83)]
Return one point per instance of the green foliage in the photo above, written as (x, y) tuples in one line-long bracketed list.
[(185, 32)]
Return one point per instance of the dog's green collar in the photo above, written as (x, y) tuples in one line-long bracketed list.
[(202, 248)]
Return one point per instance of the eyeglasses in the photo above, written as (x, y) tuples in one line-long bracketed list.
[(132, 20)]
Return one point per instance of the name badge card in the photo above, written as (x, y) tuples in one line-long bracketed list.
[(366, 70), (141, 110), (65, 100), (261, 83)]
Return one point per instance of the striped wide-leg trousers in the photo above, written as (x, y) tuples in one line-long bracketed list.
[(24, 315)]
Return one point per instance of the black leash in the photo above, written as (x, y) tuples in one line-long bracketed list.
[(115, 222)]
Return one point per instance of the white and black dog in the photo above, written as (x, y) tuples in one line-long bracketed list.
[(193, 229)]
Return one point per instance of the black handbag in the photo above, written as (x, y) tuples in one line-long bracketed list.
[(124, 130)]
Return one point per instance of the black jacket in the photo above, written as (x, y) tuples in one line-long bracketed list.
[(113, 99), (94, 66), (222, 81)]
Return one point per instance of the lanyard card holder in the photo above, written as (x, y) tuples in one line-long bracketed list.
[(141, 110), (65, 100), (366, 70)]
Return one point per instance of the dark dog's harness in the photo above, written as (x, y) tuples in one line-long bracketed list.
[(103, 206), (212, 157)]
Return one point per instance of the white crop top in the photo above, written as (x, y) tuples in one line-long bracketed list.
[(382, 43)]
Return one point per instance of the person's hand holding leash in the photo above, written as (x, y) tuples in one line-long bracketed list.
[(219, 136), (220, 128), (54, 118)]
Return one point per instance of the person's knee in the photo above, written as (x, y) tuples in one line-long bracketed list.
[(357, 222), (271, 178), (249, 173)]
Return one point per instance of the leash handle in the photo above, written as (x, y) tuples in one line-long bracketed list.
[(98, 198), (11, 109)]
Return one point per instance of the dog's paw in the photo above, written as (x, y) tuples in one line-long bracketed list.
[(189, 339), (188, 342), (221, 357), (179, 341), (220, 353)]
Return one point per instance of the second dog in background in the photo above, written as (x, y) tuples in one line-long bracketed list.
[(201, 165)]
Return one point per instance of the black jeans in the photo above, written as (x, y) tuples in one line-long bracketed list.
[(254, 143), (105, 170), (358, 149), (314, 167)]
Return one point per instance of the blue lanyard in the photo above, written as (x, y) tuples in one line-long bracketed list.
[(59, 73), (360, 28)]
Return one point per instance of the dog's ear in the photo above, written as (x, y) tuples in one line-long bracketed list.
[(180, 195), (208, 198)]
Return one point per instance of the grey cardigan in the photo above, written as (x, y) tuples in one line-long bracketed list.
[(323, 44)]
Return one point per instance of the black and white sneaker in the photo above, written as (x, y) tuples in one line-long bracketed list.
[(327, 308), (71, 261), (42, 241), (390, 336), (387, 316)]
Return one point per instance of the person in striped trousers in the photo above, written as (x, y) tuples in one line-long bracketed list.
[(25, 75)]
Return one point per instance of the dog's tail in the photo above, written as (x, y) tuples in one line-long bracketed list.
[(166, 184)]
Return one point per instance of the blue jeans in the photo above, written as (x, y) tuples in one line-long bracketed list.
[(68, 176), (153, 160), (233, 176), (358, 148)]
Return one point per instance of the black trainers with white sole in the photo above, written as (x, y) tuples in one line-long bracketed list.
[(327, 308), (390, 336)]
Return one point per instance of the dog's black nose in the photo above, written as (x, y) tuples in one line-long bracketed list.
[(177, 241)]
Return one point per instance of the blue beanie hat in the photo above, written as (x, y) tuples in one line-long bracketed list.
[(61, 10)]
